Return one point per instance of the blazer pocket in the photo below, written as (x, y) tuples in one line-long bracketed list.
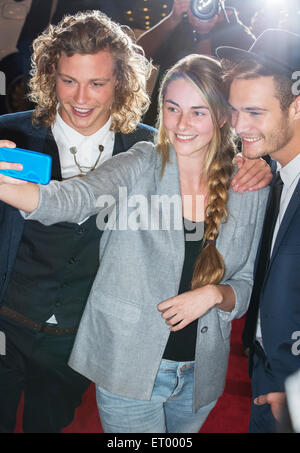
[(120, 308)]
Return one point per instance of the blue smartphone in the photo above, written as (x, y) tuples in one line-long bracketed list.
[(36, 166)]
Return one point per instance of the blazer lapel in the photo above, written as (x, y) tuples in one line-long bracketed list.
[(43, 141), (50, 148), (118, 145), (288, 216), (169, 186)]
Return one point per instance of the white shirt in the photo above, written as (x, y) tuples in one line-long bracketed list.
[(87, 151), (87, 146), (290, 175)]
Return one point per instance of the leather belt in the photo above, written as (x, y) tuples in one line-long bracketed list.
[(40, 327)]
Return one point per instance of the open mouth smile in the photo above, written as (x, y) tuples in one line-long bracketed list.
[(250, 140), (81, 111), (185, 138)]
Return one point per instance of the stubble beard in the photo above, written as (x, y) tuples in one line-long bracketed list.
[(273, 143)]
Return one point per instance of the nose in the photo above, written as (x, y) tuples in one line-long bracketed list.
[(239, 122), (81, 95), (183, 122)]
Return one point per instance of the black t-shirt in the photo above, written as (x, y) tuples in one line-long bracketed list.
[(182, 344)]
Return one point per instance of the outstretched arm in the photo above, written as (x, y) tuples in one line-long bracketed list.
[(76, 199)]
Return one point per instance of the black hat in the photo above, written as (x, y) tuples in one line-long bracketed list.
[(274, 48)]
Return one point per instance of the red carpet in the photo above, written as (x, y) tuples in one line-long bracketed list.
[(231, 414)]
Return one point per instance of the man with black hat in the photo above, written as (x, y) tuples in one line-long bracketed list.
[(265, 100)]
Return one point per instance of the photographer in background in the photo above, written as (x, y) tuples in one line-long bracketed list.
[(182, 33)]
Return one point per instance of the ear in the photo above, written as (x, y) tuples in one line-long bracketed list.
[(54, 69), (295, 108)]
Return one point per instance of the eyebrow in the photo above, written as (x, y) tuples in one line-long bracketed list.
[(249, 108), (61, 74), (193, 107)]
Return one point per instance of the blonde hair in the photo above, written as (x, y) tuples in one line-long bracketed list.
[(205, 73), (88, 33)]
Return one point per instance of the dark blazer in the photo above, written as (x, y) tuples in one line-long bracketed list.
[(18, 128), (280, 300)]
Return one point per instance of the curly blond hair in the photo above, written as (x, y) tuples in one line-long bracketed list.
[(88, 33), (206, 75)]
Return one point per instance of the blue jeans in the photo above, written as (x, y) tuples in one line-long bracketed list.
[(168, 411)]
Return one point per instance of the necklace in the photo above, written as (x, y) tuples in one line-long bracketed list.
[(82, 168)]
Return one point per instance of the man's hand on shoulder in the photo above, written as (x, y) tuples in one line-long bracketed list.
[(253, 174)]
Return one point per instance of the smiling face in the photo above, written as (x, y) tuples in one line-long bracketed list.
[(85, 87), (187, 120), (258, 119)]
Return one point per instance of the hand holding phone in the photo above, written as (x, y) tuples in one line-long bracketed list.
[(36, 166)]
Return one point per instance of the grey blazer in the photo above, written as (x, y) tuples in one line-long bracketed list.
[(122, 336)]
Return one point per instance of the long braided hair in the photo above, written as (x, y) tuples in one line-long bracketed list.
[(205, 73)]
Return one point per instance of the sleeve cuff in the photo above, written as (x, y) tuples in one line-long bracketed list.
[(242, 291)]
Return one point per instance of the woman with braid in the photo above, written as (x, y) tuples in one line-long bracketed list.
[(176, 259)]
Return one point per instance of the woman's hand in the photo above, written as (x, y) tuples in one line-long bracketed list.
[(181, 310), (10, 166)]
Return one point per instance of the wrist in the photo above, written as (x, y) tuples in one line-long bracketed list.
[(218, 296), (200, 37), (204, 36), (215, 295)]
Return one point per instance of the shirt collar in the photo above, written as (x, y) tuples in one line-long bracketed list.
[(290, 171), (72, 137)]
